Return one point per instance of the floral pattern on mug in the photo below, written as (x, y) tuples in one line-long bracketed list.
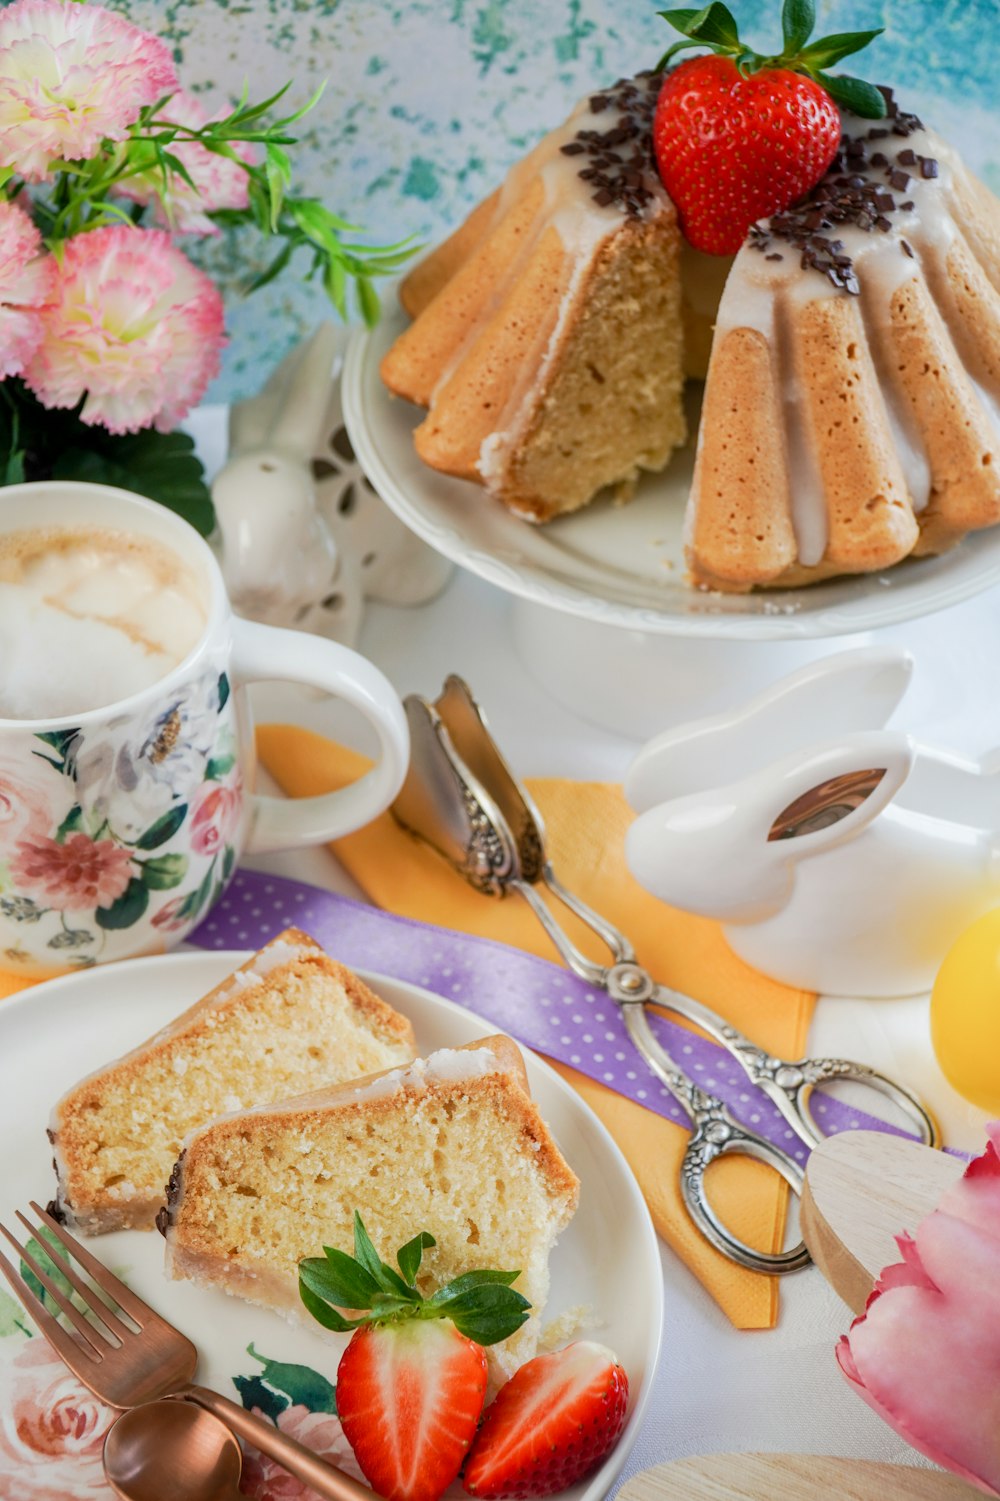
[(139, 819)]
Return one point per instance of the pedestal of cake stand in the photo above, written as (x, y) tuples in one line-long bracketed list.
[(637, 683)]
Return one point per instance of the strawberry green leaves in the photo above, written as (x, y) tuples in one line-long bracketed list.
[(714, 27), (481, 1304)]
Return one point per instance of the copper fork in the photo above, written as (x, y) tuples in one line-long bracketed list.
[(126, 1354)]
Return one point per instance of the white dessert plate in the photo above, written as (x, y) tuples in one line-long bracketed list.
[(50, 1430), (621, 565)]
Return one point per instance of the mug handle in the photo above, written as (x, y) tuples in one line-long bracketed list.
[(265, 653)]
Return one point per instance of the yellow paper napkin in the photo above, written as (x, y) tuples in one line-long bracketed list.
[(586, 823)]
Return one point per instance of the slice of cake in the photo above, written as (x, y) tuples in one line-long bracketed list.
[(547, 339), (452, 1144), (288, 1020)]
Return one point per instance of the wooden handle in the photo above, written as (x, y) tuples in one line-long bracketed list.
[(790, 1477), (862, 1189), (299, 1461)]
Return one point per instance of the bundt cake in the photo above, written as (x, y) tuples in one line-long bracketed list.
[(452, 1144), (288, 1020), (850, 413)]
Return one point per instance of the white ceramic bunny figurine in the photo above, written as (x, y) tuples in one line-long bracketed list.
[(849, 861), (303, 537)]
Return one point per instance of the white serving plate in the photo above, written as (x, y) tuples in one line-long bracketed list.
[(607, 1260), (621, 565)]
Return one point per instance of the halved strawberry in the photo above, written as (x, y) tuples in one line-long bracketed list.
[(409, 1397), (412, 1382), (554, 1420)]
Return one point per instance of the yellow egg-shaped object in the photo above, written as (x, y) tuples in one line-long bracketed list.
[(965, 1013)]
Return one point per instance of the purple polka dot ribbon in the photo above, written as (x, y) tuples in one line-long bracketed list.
[(540, 1003)]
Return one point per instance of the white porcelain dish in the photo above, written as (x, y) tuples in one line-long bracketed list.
[(607, 1261), (621, 566)]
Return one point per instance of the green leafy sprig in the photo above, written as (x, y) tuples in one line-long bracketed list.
[(87, 194), (715, 27), (481, 1304)]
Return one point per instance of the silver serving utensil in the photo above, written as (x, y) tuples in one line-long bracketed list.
[(462, 798)]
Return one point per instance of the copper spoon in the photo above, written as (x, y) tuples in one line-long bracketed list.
[(172, 1448)]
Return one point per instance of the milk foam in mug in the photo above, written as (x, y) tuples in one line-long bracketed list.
[(126, 742)]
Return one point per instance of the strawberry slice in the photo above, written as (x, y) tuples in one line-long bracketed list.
[(739, 136), (552, 1422), (412, 1382), (409, 1397)]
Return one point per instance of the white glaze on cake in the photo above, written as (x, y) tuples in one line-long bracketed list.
[(583, 226), (762, 294)]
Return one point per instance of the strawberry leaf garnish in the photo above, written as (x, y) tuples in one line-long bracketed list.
[(350, 1284), (409, 1257), (715, 28), (855, 94), (487, 1313), (316, 1304), (830, 49), (388, 1280), (482, 1304), (798, 17)]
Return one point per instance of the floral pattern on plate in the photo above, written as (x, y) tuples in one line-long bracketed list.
[(52, 1429), (137, 819)]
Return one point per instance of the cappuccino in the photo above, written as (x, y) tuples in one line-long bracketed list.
[(90, 617)]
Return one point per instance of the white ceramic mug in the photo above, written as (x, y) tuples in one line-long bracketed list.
[(121, 825)]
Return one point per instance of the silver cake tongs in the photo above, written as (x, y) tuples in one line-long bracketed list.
[(462, 798)]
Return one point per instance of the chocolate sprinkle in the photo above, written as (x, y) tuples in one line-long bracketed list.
[(848, 195), (908, 248), (620, 159)]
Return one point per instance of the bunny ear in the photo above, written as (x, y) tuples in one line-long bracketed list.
[(297, 424), (850, 691), (832, 794)]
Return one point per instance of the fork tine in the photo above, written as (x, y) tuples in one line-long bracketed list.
[(98, 1337), (95, 1305), (137, 1310), (71, 1350)]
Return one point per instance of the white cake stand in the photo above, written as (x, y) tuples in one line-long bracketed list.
[(603, 615)]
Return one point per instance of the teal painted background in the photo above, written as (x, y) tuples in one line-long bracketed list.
[(428, 101)]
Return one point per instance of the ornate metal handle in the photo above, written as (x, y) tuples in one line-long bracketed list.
[(789, 1083), (715, 1133)]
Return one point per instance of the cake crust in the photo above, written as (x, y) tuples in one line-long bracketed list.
[(92, 1126)]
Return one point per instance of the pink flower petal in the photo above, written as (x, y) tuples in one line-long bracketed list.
[(73, 76), (925, 1354), (132, 326), (26, 280)]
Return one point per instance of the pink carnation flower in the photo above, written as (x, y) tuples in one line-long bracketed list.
[(25, 283), (218, 181), (75, 876), (73, 75), (132, 326)]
